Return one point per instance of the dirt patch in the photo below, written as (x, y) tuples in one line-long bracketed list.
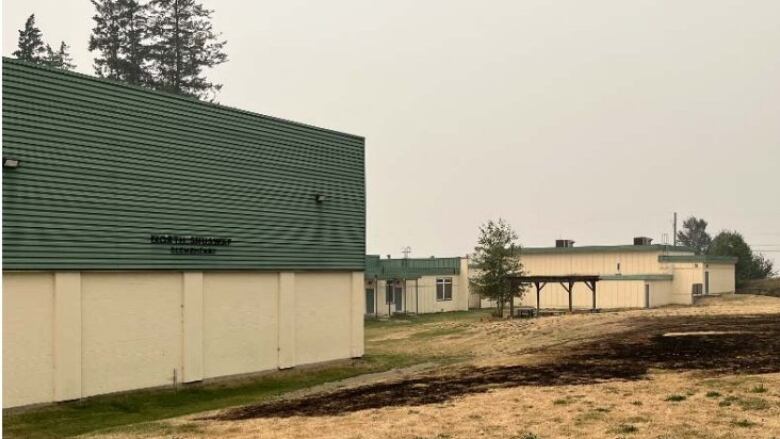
[(715, 344)]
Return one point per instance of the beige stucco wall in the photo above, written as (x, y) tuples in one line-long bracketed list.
[(420, 294), (70, 335), (131, 330), (240, 325), (28, 355), (685, 275), (722, 278), (596, 263)]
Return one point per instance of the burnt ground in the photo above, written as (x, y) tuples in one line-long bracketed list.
[(749, 344)]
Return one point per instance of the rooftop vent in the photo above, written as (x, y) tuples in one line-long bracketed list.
[(564, 243), (642, 240)]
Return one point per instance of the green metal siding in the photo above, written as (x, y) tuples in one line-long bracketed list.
[(105, 165), (410, 268)]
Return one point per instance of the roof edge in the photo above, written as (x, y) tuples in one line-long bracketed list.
[(605, 249), (698, 258), (190, 99)]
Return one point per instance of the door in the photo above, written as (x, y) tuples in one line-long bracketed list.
[(398, 295), (647, 295), (370, 301), (706, 282)]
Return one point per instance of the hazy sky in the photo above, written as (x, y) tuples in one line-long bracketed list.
[(590, 120)]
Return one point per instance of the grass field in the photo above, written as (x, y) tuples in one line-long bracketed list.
[(708, 371)]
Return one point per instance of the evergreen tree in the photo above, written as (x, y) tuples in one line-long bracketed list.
[(184, 44), (496, 259), (105, 38), (120, 36), (60, 59), (31, 47), (749, 265), (694, 235)]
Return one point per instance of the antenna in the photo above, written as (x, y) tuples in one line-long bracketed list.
[(406, 250)]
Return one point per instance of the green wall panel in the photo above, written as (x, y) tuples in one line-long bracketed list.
[(106, 165)]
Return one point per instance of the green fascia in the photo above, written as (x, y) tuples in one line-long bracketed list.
[(636, 277), (698, 258), (411, 268), (605, 249)]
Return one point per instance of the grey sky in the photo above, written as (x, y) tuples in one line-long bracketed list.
[(586, 120)]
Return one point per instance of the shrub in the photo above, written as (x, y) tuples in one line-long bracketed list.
[(759, 389)]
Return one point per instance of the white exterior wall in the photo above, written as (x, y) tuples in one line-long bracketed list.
[(28, 356), (68, 335), (722, 278), (420, 296), (131, 330), (596, 263), (685, 275)]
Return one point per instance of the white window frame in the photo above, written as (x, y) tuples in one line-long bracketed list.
[(442, 284)]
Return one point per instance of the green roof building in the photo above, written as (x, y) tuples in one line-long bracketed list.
[(152, 239)]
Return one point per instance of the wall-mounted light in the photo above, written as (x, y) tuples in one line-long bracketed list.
[(319, 198), (8, 162)]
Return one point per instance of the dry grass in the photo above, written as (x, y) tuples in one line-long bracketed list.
[(769, 287), (663, 403)]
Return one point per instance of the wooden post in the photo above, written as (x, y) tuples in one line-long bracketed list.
[(538, 301), (511, 302), (389, 301), (404, 298), (571, 288), (594, 295), (417, 295)]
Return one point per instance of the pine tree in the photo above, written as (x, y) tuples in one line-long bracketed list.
[(694, 235), (120, 36), (60, 59), (184, 44), (31, 46), (105, 38)]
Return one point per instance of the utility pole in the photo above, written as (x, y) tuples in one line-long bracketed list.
[(674, 236), (406, 250)]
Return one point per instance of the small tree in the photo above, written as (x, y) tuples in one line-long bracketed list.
[(694, 235), (60, 59), (496, 259), (749, 266), (31, 47)]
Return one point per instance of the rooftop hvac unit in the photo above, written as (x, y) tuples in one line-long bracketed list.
[(564, 243), (642, 240)]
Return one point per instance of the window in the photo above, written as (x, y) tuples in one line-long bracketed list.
[(444, 288)]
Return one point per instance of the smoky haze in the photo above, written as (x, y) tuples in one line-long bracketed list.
[(593, 120)]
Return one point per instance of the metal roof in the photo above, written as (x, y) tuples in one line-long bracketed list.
[(120, 177), (698, 258), (606, 249), (410, 268)]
